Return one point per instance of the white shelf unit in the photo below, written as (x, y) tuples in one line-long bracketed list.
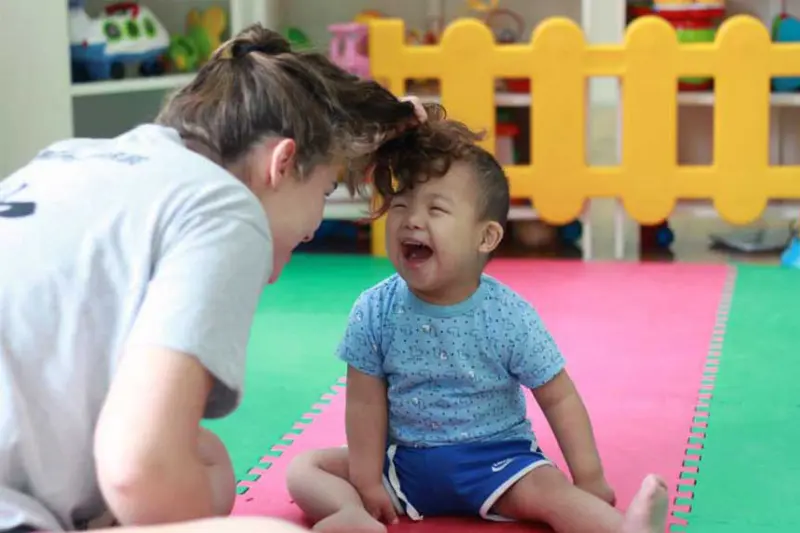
[(166, 82), (42, 105), (46, 106), (695, 131)]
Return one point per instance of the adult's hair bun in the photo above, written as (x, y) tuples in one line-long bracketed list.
[(257, 38)]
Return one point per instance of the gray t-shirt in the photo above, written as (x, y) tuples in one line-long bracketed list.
[(105, 242)]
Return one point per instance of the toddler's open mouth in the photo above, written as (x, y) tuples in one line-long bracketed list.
[(416, 251)]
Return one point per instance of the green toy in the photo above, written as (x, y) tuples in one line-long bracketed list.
[(297, 39), (204, 32), (693, 31)]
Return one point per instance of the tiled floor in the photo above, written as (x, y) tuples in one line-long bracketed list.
[(692, 235)]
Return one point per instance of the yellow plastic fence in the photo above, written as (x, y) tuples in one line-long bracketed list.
[(559, 61)]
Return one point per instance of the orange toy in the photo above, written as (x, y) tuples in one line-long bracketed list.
[(368, 15)]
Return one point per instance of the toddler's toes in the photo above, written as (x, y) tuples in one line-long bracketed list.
[(350, 520), (648, 510)]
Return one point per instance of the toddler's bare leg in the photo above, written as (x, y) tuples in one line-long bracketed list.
[(545, 495), (220, 470), (648, 511), (318, 483), (215, 525)]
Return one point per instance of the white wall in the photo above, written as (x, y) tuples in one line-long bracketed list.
[(34, 78)]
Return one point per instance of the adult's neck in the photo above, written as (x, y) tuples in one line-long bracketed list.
[(202, 148)]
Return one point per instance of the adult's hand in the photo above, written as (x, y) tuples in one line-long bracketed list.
[(419, 111)]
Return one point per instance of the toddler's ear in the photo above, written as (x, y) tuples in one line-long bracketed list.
[(492, 235)]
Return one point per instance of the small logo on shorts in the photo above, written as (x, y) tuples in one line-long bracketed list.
[(498, 466)]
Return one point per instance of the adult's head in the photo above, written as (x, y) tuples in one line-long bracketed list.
[(287, 124)]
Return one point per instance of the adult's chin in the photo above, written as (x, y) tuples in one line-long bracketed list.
[(279, 262)]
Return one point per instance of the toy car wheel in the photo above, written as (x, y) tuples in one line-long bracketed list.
[(117, 70), (152, 68), (160, 66), (571, 233), (80, 73), (665, 236)]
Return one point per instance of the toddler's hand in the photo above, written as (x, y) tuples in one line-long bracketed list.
[(599, 487), (379, 504)]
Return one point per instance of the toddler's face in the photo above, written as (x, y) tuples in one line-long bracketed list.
[(434, 232)]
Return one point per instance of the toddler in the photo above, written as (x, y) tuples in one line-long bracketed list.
[(436, 420)]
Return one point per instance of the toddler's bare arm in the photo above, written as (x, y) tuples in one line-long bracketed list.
[(366, 424), (569, 420)]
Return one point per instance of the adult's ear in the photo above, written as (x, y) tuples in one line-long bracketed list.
[(281, 163)]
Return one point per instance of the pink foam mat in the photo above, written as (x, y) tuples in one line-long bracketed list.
[(636, 338)]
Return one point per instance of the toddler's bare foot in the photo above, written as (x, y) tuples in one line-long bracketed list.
[(648, 510), (350, 520)]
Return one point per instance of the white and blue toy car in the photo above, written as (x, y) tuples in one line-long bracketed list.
[(124, 34)]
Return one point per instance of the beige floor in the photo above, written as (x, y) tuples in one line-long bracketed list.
[(692, 235)]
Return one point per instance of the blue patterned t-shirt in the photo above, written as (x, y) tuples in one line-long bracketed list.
[(453, 373)]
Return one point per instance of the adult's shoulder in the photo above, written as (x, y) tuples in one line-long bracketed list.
[(184, 187)]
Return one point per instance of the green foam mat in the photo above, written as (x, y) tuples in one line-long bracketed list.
[(748, 469), (291, 359)]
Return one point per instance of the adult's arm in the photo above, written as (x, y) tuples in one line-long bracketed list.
[(184, 361)]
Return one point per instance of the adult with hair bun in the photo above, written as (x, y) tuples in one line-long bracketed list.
[(132, 272)]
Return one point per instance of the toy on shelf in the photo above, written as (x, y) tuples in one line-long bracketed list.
[(344, 48), (505, 136), (695, 21), (349, 45), (703, 9), (483, 5), (126, 33), (364, 17), (298, 39), (429, 36), (204, 31), (508, 27), (658, 236), (638, 8), (695, 30), (786, 29), (791, 256)]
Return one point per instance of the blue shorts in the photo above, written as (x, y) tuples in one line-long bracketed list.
[(459, 479)]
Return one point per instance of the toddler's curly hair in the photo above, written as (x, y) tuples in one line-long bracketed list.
[(428, 151)]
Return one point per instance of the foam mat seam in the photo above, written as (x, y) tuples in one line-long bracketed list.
[(288, 439), (680, 514)]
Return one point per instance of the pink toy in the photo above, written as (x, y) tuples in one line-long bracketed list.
[(344, 48)]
